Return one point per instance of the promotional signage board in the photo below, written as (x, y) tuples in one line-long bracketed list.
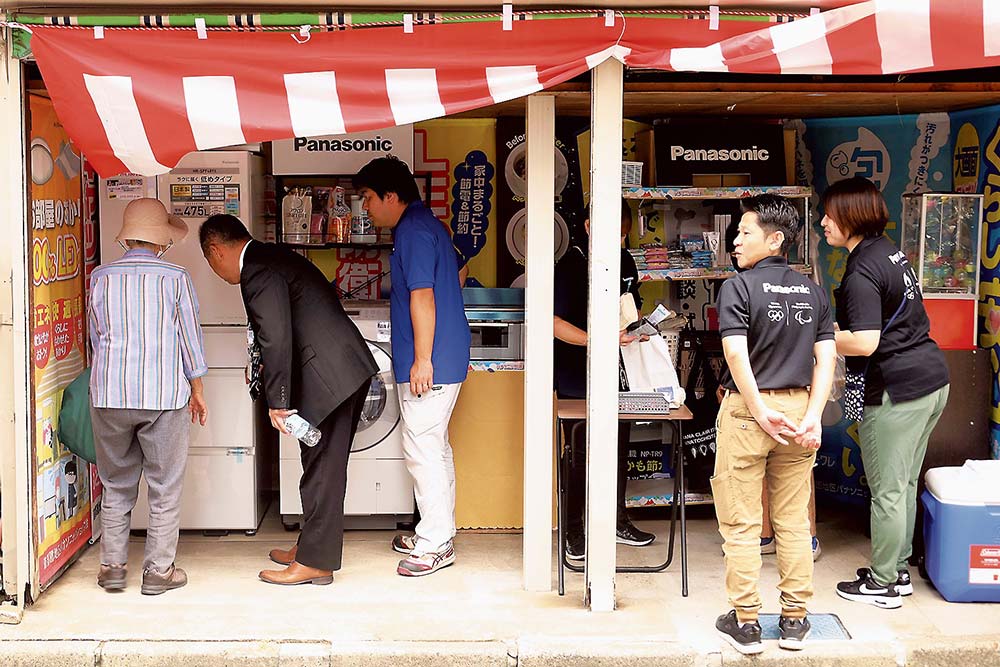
[(685, 148), (343, 153), (61, 481)]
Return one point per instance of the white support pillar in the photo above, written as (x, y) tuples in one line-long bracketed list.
[(538, 418), (602, 319), (14, 414)]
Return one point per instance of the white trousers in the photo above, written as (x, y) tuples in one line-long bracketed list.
[(430, 462)]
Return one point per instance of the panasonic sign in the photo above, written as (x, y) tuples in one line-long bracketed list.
[(752, 154), (341, 154), (376, 144)]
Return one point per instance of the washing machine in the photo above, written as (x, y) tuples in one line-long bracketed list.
[(379, 488)]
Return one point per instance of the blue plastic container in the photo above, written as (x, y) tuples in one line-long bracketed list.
[(962, 531)]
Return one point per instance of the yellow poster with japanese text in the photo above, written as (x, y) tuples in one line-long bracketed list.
[(61, 501)]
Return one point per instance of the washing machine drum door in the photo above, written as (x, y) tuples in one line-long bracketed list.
[(380, 414)]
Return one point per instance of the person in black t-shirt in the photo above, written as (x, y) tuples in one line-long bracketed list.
[(777, 336), (885, 335), (570, 374)]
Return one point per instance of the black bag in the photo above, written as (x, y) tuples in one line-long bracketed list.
[(699, 443)]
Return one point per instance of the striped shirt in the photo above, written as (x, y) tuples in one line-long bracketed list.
[(145, 334)]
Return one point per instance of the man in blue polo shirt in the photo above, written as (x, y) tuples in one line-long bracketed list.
[(430, 353)]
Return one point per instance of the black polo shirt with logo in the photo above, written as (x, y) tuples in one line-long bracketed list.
[(879, 283), (783, 314), (570, 303)]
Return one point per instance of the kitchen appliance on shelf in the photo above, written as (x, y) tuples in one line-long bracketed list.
[(496, 322), (379, 488), (222, 482)]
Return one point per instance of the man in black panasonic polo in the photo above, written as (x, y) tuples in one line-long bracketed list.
[(777, 336)]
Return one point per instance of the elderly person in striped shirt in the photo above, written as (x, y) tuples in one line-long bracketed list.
[(148, 360)]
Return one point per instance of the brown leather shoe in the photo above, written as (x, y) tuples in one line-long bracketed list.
[(111, 577), (297, 573), (155, 583), (283, 556)]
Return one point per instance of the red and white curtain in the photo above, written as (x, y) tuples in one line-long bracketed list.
[(139, 100)]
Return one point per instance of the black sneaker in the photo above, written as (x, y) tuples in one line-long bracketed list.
[(865, 589), (794, 632), (904, 586), (744, 637), (628, 534), (576, 545)]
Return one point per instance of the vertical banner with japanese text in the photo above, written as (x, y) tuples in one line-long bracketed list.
[(62, 495)]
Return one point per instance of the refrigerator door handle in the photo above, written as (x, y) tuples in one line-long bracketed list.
[(238, 452)]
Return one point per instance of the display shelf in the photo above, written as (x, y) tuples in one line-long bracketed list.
[(659, 492), (688, 192), (333, 246), (678, 275)]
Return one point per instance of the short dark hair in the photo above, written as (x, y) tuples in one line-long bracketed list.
[(221, 228), (857, 206), (388, 174), (775, 214)]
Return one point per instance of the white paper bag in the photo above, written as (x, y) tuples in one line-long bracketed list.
[(649, 368)]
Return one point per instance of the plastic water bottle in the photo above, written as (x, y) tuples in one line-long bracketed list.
[(306, 433)]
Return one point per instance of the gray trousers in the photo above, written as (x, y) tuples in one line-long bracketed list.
[(130, 443)]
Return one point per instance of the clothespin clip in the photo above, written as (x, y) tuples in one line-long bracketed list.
[(98, 32), (304, 35), (199, 24), (609, 18), (508, 16), (713, 17), (408, 23)]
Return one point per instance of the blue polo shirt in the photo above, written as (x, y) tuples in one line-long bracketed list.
[(423, 256)]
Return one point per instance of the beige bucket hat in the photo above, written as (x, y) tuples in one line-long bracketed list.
[(147, 220)]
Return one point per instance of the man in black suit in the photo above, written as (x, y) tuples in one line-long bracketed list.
[(315, 361)]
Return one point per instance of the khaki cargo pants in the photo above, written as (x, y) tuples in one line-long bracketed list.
[(746, 457)]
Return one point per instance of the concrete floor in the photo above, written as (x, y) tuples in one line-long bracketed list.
[(479, 599)]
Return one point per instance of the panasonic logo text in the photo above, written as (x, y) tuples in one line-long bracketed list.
[(374, 145), (786, 289), (752, 154)]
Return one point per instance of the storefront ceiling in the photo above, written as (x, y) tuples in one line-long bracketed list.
[(771, 100), (62, 6)]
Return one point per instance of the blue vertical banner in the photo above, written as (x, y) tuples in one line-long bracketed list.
[(470, 206), (976, 168), (901, 155)]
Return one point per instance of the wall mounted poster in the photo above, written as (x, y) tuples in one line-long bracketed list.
[(62, 494)]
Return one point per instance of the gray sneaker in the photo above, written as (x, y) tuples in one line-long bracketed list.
[(111, 577), (155, 583)]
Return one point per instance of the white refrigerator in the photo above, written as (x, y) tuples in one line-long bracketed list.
[(222, 483)]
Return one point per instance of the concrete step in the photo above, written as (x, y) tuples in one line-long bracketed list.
[(535, 651)]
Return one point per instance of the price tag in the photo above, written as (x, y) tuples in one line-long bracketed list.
[(383, 332)]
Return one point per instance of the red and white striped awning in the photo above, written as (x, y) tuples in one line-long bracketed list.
[(138, 99)]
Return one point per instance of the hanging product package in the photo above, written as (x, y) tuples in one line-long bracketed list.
[(699, 434)]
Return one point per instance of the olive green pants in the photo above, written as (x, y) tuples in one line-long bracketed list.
[(893, 443)]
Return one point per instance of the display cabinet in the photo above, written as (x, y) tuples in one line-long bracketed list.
[(941, 238)]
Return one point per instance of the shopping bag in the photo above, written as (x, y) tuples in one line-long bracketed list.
[(699, 443), (75, 430), (649, 367)]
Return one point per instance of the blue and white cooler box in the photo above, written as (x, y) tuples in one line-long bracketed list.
[(962, 531)]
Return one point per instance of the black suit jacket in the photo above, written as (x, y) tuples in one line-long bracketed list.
[(313, 355)]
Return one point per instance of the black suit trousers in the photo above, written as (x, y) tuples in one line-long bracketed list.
[(324, 483)]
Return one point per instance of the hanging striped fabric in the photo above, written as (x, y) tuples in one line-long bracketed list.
[(139, 100)]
